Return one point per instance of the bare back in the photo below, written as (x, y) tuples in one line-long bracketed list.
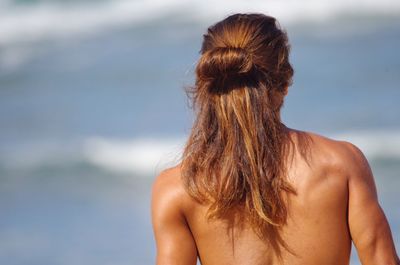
[(335, 193)]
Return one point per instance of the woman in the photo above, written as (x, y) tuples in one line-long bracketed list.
[(250, 190)]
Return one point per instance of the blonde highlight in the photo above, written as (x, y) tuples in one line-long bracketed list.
[(235, 154)]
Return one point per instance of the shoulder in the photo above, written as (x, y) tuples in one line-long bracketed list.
[(168, 192), (325, 143), (174, 241), (340, 154), (168, 180)]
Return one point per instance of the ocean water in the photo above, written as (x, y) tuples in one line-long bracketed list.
[(92, 107)]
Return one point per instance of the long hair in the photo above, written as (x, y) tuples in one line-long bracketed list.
[(235, 154)]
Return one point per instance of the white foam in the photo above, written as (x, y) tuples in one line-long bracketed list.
[(146, 156), (44, 20), (24, 25), (141, 156), (52, 20), (374, 144)]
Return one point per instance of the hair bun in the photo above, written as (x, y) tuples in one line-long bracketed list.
[(222, 63)]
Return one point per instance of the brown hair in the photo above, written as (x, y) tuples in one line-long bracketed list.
[(234, 156)]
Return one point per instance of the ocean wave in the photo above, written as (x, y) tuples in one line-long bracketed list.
[(142, 156), (379, 144), (148, 156), (145, 155), (21, 23)]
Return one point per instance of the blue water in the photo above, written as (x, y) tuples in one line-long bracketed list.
[(124, 82)]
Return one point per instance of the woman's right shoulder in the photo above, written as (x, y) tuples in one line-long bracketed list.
[(337, 152), (330, 150)]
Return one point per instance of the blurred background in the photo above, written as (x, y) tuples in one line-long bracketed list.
[(92, 108)]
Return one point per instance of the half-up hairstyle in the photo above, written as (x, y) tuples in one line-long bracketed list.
[(235, 154)]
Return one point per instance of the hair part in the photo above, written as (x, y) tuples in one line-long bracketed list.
[(235, 154)]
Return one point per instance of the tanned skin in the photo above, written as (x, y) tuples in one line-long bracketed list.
[(336, 204)]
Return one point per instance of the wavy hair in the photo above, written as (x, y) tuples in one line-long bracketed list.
[(235, 154)]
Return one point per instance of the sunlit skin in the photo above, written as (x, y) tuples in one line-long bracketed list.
[(336, 204), (251, 191)]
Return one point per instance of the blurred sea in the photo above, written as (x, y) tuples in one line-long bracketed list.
[(92, 107)]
